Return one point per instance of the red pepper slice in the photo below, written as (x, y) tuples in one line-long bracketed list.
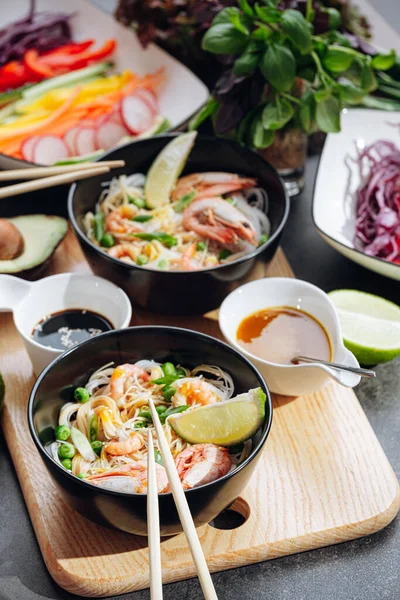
[(13, 75), (68, 49), (34, 64), (76, 61)]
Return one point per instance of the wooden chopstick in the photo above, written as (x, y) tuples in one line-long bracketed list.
[(46, 182), (153, 524), (37, 172), (183, 510)]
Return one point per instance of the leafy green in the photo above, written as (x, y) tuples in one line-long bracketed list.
[(224, 38), (277, 113), (267, 14), (279, 67), (246, 64), (206, 111), (261, 137), (306, 112), (327, 115), (338, 59), (384, 61), (297, 29)]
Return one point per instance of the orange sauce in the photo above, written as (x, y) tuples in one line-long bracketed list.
[(279, 333)]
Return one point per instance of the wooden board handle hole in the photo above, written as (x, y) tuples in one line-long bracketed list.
[(232, 517)]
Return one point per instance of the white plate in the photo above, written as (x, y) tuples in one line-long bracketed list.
[(181, 95), (333, 211)]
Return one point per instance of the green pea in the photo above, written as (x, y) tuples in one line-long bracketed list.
[(200, 246), (145, 413), (168, 369), (140, 424), (97, 446), (107, 240), (81, 395), (67, 464), (139, 202), (224, 254), (82, 475), (66, 450), (62, 433), (162, 264), (263, 238), (161, 409), (142, 218), (142, 259)]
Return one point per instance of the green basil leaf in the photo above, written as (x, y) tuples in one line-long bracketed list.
[(224, 38), (351, 94), (242, 131), (224, 16), (246, 64), (204, 113), (322, 94), (334, 17), (278, 67), (276, 114), (261, 138), (337, 59), (367, 78), (297, 29), (306, 112), (327, 115), (268, 14), (240, 22), (246, 8), (384, 61), (262, 33)]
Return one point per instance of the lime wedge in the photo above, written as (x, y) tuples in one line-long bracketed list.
[(225, 423), (166, 169), (370, 325)]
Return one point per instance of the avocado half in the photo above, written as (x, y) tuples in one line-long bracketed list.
[(42, 234)]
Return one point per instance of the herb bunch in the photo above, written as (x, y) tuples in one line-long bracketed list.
[(282, 72)]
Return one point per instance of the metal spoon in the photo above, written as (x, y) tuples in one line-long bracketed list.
[(362, 372)]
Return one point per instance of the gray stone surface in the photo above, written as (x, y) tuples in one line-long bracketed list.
[(366, 569)]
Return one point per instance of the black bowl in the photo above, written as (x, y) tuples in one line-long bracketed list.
[(180, 292), (127, 512)]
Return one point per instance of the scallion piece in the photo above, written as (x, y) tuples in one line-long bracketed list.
[(184, 202)]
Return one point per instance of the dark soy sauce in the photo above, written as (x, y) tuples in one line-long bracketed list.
[(67, 328)]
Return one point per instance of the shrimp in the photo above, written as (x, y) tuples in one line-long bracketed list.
[(122, 379), (121, 448), (210, 184), (186, 260), (195, 391), (120, 220), (202, 463), (130, 478), (216, 219), (123, 250)]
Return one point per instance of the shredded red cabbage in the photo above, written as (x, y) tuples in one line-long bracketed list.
[(40, 30), (378, 201)]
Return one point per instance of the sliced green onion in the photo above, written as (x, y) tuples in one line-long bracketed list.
[(201, 246), (144, 413), (173, 411), (93, 423), (98, 224), (162, 264), (168, 369), (164, 238), (142, 218), (140, 424), (263, 238), (161, 409), (184, 202), (158, 457), (97, 446)]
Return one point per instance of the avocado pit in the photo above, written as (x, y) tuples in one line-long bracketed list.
[(11, 241)]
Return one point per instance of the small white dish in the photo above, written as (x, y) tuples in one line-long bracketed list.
[(289, 380), (334, 206), (31, 301)]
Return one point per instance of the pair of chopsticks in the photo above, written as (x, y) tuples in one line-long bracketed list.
[(45, 177), (153, 524)]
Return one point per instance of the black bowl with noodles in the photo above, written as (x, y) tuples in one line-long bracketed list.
[(124, 511), (180, 292)]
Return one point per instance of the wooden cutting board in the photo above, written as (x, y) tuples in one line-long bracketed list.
[(323, 479)]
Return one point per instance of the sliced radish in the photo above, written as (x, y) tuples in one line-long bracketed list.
[(149, 97), (136, 114), (28, 147), (70, 139), (49, 149), (109, 134), (85, 140)]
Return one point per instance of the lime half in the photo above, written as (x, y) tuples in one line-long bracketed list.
[(225, 423), (370, 325), (166, 169)]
